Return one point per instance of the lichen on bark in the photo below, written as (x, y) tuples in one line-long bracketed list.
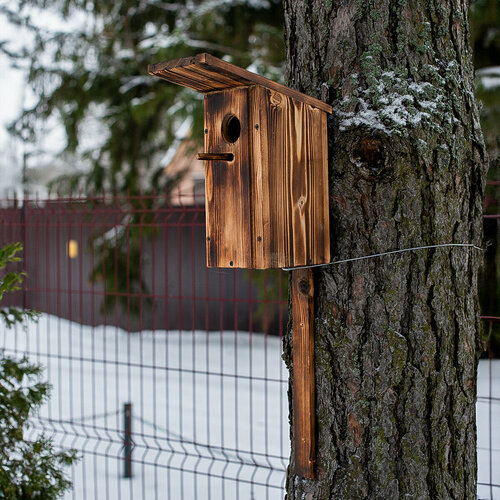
[(397, 337)]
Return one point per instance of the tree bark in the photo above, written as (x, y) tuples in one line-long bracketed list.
[(396, 337)]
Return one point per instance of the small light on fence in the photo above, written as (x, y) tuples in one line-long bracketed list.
[(72, 249)]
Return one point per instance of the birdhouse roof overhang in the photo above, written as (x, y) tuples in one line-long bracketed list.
[(206, 73)]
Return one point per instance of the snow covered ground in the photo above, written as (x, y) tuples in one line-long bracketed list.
[(187, 417), (210, 411), (489, 77)]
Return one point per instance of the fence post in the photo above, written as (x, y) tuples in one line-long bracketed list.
[(127, 440)]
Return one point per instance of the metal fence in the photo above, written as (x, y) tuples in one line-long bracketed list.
[(167, 376)]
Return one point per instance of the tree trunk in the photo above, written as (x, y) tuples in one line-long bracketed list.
[(397, 336)]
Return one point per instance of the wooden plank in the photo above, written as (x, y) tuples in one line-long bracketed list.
[(309, 185), (268, 181), (279, 173), (308, 207), (216, 79), (304, 428), (213, 68), (299, 180), (227, 183)]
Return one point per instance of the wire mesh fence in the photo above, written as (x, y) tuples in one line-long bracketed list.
[(166, 375)]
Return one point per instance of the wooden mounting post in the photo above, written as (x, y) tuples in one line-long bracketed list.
[(304, 438)]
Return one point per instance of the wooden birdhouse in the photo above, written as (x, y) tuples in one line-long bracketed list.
[(266, 170)]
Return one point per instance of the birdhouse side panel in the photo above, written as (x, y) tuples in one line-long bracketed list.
[(289, 180), (227, 183)]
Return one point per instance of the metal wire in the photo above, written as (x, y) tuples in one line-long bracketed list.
[(382, 254)]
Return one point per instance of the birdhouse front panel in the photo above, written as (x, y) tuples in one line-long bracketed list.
[(266, 166), (227, 182)]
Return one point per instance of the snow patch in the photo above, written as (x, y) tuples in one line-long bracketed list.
[(392, 105), (181, 133), (490, 82), (184, 409), (211, 401), (489, 77), (489, 70), (135, 81), (364, 116)]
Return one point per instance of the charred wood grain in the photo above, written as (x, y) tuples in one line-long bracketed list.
[(304, 443)]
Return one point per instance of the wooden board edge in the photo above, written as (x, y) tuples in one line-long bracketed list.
[(326, 190), (260, 257)]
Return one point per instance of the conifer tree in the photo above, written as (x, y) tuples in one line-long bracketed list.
[(90, 74), (30, 468)]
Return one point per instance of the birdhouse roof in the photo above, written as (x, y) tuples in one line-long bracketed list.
[(206, 73)]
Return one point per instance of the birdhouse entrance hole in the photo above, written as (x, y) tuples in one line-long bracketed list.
[(231, 128)]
